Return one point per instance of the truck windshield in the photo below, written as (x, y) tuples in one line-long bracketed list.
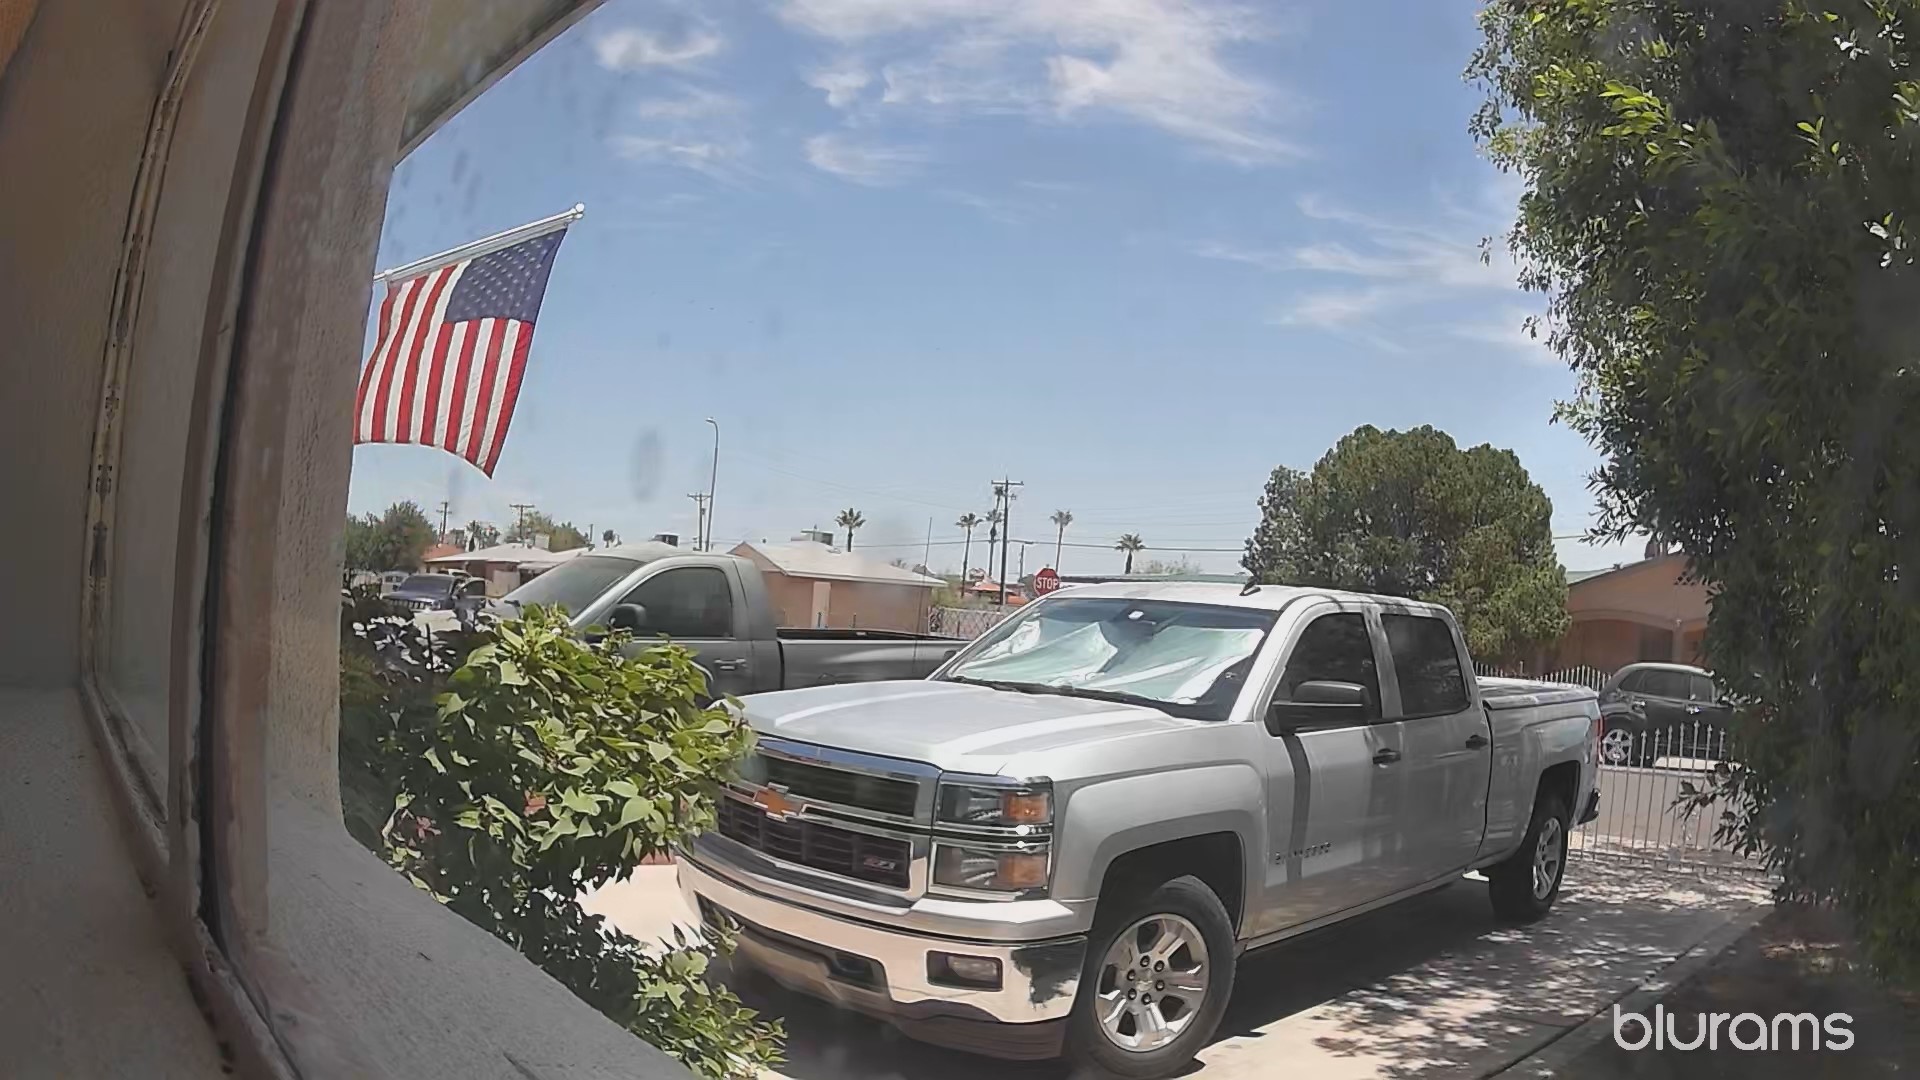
[(427, 585), (573, 585), (1191, 656)]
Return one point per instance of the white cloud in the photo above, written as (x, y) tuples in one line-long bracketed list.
[(1402, 265), (1159, 62), (1515, 329), (841, 84), (691, 128), (635, 48), (720, 160), (873, 164), (691, 103)]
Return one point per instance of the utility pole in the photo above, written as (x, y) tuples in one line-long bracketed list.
[(1023, 558), (700, 529), (521, 509), (445, 509), (1005, 489)]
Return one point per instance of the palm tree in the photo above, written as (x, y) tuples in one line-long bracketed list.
[(1130, 543), (481, 534), (850, 519), (968, 521), (1061, 519), (994, 517)]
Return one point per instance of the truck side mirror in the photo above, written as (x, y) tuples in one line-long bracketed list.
[(1320, 703), (629, 617)]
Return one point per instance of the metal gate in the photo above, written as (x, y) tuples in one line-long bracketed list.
[(1641, 813), (1641, 782)]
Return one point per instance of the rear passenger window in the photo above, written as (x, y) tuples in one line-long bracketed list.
[(1702, 688), (1427, 665), (1334, 648)]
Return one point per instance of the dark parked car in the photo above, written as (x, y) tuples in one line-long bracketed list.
[(1661, 710), (438, 592)]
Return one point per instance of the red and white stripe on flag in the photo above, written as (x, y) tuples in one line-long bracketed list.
[(451, 350)]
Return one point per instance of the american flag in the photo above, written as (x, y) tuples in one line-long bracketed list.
[(446, 368)]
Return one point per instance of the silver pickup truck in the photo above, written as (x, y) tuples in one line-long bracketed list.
[(1061, 843)]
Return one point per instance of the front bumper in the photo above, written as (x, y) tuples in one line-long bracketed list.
[(886, 973)]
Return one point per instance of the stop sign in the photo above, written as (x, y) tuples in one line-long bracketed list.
[(1045, 581)]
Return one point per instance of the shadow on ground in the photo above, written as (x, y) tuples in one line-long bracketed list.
[(1434, 987)]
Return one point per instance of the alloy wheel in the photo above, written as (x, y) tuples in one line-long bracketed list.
[(1153, 981)]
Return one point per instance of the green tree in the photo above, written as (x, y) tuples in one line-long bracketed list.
[(607, 538), (850, 519), (394, 540), (968, 521), (561, 536), (1720, 204), (1131, 544), (1407, 513)]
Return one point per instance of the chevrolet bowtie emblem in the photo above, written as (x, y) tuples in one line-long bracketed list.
[(777, 803)]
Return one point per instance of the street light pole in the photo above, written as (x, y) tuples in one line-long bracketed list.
[(713, 477)]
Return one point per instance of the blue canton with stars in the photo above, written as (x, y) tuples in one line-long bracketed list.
[(506, 284)]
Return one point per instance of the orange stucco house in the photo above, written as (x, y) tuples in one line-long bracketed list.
[(1633, 612)]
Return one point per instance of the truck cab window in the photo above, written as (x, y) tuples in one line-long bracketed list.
[(689, 602), (1427, 665), (1334, 648)]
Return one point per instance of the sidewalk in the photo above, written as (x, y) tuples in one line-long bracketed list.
[(1794, 961)]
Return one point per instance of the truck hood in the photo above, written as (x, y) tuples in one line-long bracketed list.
[(953, 726)]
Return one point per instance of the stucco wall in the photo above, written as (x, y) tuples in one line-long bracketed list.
[(873, 606), (70, 139), (1652, 588)]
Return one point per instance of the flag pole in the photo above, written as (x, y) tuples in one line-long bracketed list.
[(485, 245)]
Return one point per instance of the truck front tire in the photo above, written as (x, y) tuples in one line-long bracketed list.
[(1158, 973), (1524, 887)]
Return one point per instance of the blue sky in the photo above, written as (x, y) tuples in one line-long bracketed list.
[(1133, 253)]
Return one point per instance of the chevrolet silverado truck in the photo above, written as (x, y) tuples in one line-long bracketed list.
[(1061, 843), (717, 606)]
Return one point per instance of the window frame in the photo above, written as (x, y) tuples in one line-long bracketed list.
[(1382, 706), (1462, 664), (726, 589)]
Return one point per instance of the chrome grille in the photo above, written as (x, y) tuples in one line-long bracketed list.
[(853, 790), (882, 860)]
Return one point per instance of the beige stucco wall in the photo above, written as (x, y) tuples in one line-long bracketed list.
[(1645, 611), (70, 139), (874, 606), (1652, 590)]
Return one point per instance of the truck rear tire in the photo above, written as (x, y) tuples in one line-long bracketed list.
[(1524, 887), (1158, 974)]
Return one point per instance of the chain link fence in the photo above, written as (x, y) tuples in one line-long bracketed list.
[(966, 623)]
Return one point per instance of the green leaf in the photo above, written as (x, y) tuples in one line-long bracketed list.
[(633, 811), (510, 674), (626, 789)]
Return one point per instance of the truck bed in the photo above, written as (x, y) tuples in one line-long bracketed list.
[(812, 633), (1499, 693)]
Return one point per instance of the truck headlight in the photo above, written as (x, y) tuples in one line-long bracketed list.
[(996, 869), (1030, 806)]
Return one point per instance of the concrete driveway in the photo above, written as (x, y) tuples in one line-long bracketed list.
[(1431, 988)]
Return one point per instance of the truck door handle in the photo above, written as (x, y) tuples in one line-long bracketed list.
[(1476, 740), (1386, 757), (728, 665)]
